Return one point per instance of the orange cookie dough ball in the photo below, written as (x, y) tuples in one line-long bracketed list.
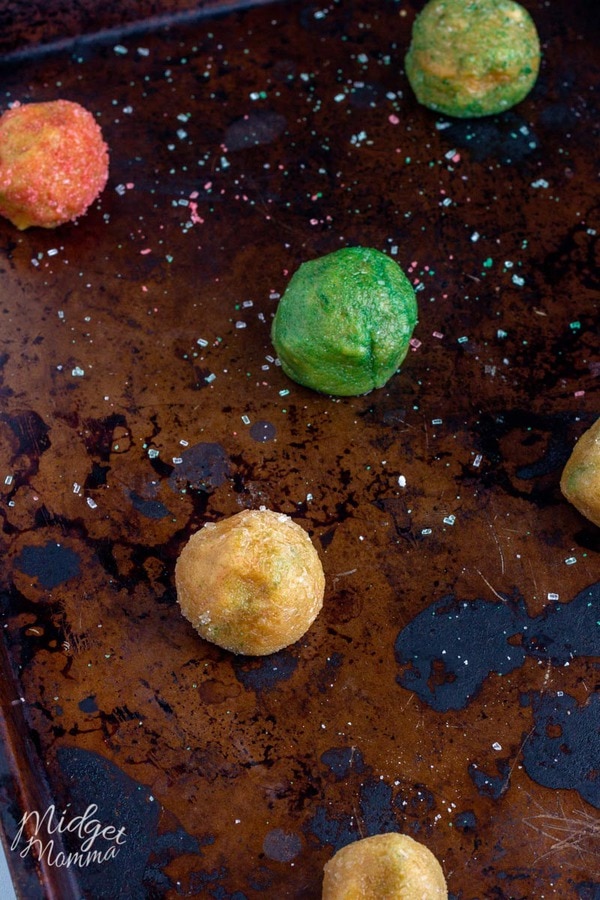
[(580, 480), (53, 163), (391, 866), (252, 583)]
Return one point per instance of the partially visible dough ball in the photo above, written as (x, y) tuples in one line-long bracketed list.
[(53, 163), (580, 481), (472, 57), (252, 583), (344, 323), (384, 867)]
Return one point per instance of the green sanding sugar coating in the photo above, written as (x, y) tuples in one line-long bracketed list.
[(344, 323), (470, 58)]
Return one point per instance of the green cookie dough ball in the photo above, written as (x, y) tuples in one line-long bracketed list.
[(471, 58), (344, 323)]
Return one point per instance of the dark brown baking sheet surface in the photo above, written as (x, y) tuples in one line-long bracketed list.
[(449, 687)]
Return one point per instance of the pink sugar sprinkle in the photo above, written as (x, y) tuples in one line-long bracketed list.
[(393, 119), (146, 251), (196, 218)]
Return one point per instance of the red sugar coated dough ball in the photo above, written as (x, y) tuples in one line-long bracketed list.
[(391, 866), (53, 163), (252, 583)]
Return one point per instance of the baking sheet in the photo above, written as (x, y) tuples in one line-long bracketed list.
[(447, 690)]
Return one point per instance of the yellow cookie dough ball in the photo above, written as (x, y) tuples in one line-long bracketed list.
[(384, 867), (252, 583), (472, 57), (580, 481)]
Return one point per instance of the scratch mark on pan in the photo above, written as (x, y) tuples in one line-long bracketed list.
[(495, 536)]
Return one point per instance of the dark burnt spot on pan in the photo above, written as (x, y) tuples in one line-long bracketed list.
[(52, 563), (282, 846), (203, 467), (150, 509), (26, 436), (523, 452), (106, 436), (30, 432), (492, 784), (435, 651), (265, 673), (148, 846), (436, 656), (47, 628), (262, 431), (564, 748), (578, 254), (381, 807), (341, 761)]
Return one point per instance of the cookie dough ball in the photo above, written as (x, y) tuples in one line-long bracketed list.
[(391, 866), (580, 481), (252, 583), (472, 57), (53, 163), (344, 323)]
